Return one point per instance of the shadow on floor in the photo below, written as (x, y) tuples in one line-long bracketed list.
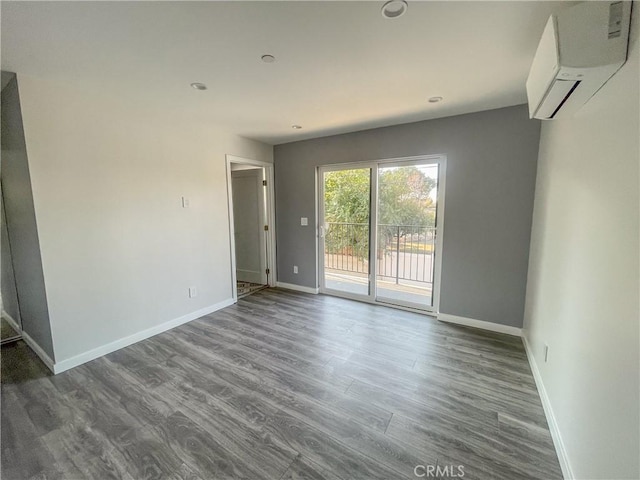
[(19, 364)]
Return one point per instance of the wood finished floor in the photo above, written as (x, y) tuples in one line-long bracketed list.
[(282, 385)]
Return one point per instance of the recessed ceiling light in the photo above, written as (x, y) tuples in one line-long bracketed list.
[(296, 127), (435, 99), (394, 8), (199, 86), (268, 58)]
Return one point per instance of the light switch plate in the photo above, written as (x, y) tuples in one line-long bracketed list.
[(185, 202)]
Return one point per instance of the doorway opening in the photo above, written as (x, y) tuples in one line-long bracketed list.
[(381, 231), (250, 188)]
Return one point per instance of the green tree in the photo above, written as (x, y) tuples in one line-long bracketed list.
[(346, 196), (405, 197), (346, 203), (404, 201)]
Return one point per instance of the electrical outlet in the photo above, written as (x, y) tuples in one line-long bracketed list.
[(193, 292), (185, 202), (295, 269), (546, 352)]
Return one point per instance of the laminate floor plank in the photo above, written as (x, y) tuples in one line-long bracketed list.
[(333, 421), (448, 437), (249, 335), (24, 455), (443, 386), (304, 469), (336, 320), (339, 346), (265, 453), (321, 447), (301, 387), (305, 332), (81, 453), (282, 386), (296, 374), (422, 409)]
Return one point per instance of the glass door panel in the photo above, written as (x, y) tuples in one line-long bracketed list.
[(345, 231), (406, 234)]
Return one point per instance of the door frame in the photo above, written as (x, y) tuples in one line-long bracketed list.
[(255, 177), (441, 161), (370, 297), (270, 212)]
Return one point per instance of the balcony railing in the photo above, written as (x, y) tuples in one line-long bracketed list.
[(405, 252)]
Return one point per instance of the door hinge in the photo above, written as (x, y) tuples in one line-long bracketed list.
[(266, 228), (268, 271), (264, 183)]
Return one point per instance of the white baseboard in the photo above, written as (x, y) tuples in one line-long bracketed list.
[(11, 321), (563, 458), (297, 288), (472, 322), (85, 357), (39, 351)]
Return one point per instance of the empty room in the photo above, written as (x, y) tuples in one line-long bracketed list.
[(341, 240)]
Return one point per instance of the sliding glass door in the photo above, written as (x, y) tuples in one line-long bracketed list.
[(345, 231), (407, 204), (380, 227)]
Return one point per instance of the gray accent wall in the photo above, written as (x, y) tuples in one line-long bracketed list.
[(21, 223), (491, 174)]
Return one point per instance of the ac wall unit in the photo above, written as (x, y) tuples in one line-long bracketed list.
[(580, 49)]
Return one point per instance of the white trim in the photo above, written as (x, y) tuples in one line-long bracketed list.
[(320, 245), (563, 457), (297, 288), (11, 321), (437, 268), (271, 220), (377, 302), (63, 365), (482, 324), (39, 351)]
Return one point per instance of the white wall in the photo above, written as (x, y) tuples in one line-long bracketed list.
[(582, 294), (119, 252)]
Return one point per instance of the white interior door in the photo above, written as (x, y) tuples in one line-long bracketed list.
[(249, 221)]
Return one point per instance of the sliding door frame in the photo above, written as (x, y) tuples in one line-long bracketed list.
[(373, 165)]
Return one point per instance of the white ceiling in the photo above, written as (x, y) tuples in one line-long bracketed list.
[(340, 65)]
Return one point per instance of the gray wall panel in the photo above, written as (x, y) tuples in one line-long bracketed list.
[(21, 223), (7, 276), (491, 171)]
